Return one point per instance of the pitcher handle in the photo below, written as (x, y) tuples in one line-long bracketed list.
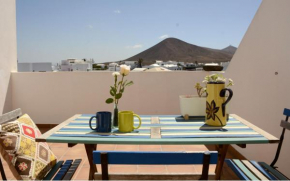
[(91, 123), (223, 94), (139, 121)]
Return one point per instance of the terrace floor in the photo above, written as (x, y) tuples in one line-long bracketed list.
[(78, 152)]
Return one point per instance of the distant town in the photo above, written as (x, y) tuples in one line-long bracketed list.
[(170, 54), (73, 64)]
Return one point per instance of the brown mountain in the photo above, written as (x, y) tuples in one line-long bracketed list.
[(178, 50), (230, 49)]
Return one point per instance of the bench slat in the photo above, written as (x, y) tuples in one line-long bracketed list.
[(154, 158), (273, 171), (53, 170), (236, 169), (72, 169), (254, 170), (262, 170), (245, 169), (286, 112), (60, 174)]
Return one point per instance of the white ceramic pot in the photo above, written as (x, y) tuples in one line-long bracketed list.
[(192, 105)]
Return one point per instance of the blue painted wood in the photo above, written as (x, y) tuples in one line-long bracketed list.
[(236, 169), (154, 158), (286, 112), (60, 174), (89, 115), (99, 136), (77, 129), (213, 136), (146, 141), (158, 125), (262, 170), (195, 130), (89, 130), (88, 119), (69, 174), (53, 170), (273, 171)]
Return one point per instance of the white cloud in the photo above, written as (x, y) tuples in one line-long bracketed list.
[(90, 26), (163, 36), (135, 46), (117, 11)]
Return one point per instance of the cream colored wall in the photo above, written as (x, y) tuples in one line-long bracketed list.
[(259, 95), (8, 53), (53, 97)]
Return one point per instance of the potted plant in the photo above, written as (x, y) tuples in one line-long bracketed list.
[(195, 105)]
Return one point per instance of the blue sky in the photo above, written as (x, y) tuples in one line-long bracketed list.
[(113, 30)]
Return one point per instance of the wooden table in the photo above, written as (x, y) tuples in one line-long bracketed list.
[(160, 130)]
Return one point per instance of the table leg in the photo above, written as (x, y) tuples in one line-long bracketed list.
[(222, 156), (93, 168)]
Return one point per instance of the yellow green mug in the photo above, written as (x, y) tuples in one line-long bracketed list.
[(126, 121)]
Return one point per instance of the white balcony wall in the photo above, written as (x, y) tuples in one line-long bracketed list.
[(261, 71), (8, 52), (51, 98)]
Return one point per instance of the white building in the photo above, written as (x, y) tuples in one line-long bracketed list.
[(35, 67), (131, 64), (159, 62), (113, 67), (73, 64), (139, 69), (171, 66)]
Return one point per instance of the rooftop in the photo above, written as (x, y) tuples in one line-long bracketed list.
[(259, 68)]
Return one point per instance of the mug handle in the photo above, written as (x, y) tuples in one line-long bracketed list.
[(223, 94), (139, 121), (91, 123)]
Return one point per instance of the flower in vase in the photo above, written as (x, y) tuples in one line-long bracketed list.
[(118, 88), (124, 70), (115, 74)]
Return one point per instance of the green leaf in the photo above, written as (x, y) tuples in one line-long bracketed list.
[(113, 89), (109, 101), (118, 96), (122, 89), (112, 93), (124, 82), (129, 83)]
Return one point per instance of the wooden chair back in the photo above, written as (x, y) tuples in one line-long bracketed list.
[(154, 158), (7, 117), (285, 125)]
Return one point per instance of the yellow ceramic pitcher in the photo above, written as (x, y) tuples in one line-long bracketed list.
[(216, 103)]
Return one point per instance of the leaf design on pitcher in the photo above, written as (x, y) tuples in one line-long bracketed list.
[(211, 110)]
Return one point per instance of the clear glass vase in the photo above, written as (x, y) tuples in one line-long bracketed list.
[(115, 116)]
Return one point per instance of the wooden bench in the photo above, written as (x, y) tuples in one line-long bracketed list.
[(154, 158), (63, 170), (252, 170)]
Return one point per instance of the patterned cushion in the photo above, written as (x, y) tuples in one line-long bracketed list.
[(31, 160)]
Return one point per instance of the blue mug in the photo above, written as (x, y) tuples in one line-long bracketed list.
[(103, 122)]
